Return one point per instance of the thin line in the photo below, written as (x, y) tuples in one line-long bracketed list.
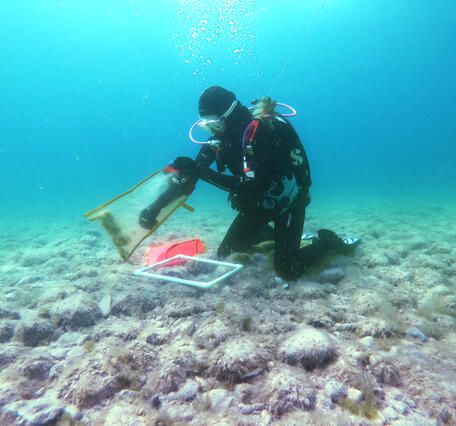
[(298, 44)]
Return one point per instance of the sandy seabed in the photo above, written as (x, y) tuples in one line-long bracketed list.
[(370, 340)]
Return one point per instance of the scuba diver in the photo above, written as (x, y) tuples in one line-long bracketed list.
[(269, 181)]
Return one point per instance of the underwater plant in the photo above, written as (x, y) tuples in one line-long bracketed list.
[(367, 406), (246, 323), (440, 303), (433, 329), (126, 370), (89, 345), (202, 403), (387, 373), (363, 408), (237, 360), (220, 308)]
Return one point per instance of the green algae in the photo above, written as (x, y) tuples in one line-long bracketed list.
[(220, 307), (89, 345), (364, 408)]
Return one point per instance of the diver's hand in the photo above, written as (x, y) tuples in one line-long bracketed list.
[(244, 196), (187, 166), (148, 217)]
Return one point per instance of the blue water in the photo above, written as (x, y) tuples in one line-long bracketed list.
[(96, 95)]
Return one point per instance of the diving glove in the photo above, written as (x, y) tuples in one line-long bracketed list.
[(148, 217), (178, 185), (187, 166), (244, 196)]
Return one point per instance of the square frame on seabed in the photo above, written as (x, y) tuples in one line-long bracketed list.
[(144, 272)]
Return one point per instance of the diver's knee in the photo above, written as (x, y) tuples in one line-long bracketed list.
[(283, 267)]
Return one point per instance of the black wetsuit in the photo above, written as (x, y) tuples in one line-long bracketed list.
[(278, 193)]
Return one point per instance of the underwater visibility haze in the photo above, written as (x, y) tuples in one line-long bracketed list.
[(97, 95)]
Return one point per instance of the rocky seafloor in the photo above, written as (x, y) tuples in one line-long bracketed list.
[(369, 340)]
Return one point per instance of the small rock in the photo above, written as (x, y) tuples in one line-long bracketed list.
[(127, 395), (133, 304), (185, 327), (155, 401), (37, 369), (236, 358), (188, 392), (311, 290), (335, 390), (7, 314), (324, 404), (396, 394), (184, 309), (333, 275), (389, 414), (417, 334), (34, 333), (220, 399), (410, 402), (121, 328), (244, 392), (374, 260), (6, 331), (169, 378), (375, 327), (309, 348), (387, 373), (176, 414), (278, 281), (252, 374), (445, 415), (39, 411), (35, 257), (264, 418), (30, 279), (89, 387), (379, 393), (199, 268), (211, 333), (57, 370), (75, 353), (247, 410), (354, 394), (6, 358), (441, 248), (158, 337), (418, 244), (104, 305), (89, 241), (76, 311), (70, 339), (287, 389), (400, 407), (368, 342)]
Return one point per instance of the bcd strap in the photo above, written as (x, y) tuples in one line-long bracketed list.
[(249, 134), (247, 140)]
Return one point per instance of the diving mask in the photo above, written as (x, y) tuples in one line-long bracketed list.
[(214, 124)]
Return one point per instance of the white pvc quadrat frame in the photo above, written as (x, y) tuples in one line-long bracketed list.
[(144, 272)]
